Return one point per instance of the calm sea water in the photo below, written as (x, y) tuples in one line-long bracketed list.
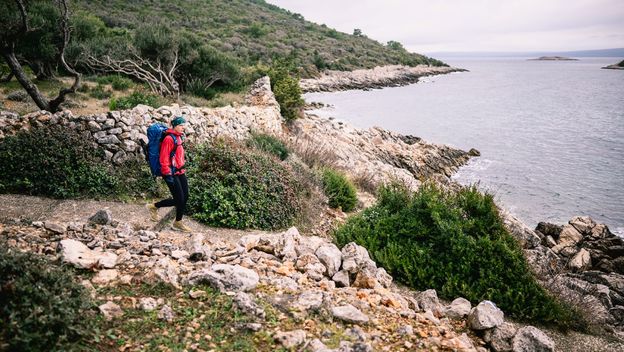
[(551, 133)]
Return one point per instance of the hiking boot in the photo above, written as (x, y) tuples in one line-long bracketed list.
[(153, 211), (180, 226)]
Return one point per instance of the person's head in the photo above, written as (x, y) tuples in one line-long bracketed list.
[(178, 124)]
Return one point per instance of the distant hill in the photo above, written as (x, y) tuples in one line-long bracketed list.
[(255, 31), (618, 52)]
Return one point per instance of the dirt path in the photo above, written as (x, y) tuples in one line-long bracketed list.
[(13, 206)]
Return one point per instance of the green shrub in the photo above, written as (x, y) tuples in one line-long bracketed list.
[(69, 166), (233, 186), (456, 243), (285, 86), (100, 92), (339, 190), (133, 100), (269, 144), (200, 88), (116, 81), (41, 307)]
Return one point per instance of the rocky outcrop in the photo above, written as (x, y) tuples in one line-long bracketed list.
[(582, 262), (376, 154), (553, 58), (378, 77)]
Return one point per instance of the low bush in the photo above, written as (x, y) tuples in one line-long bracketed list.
[(69, 166), (18, 95), (100, 92), (234, 186), (285, 86), (269, 144), (132, 100), (339, 190), (456, 243), (41, 307), (116, 81)]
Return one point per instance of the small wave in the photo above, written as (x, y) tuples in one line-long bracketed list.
[(619, 231)]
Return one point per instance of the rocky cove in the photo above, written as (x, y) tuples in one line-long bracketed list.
[(300, 275)]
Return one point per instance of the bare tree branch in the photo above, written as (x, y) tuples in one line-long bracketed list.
[(160, 80)]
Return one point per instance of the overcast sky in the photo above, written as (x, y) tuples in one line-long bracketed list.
[(474, 25)]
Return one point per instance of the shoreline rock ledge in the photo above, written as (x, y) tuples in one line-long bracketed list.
[(378, 77)]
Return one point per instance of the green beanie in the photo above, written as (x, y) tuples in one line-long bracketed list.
[(179, 120)]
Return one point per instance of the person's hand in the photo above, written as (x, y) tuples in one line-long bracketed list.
[(169, 178)]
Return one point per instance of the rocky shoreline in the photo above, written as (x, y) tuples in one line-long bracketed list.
[(378, 77)]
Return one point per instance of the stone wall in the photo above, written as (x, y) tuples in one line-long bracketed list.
[(120, 133)]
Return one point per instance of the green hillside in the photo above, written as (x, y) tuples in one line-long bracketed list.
[(253, 30)]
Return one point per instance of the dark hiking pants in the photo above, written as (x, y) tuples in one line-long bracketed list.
[(178, 186)]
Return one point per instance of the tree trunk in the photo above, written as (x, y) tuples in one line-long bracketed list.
[(31, 88)]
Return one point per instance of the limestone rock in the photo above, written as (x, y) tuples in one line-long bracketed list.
[(54, 227), (428, 300), (583, 224), (309, 300), (148, 304), (500, 338), (102, 217), (532, 339), (167, 271), (291, 339), (581, 261), (110, 310), (458, 309), (226, 277), (196, 248), (350, 314), (485, 316), (330, 256), (245, 302), (353, 256), (569, 235), (79, 255), (311, 265), (105, 277), (166, 314), (341, 278), (383, 277)]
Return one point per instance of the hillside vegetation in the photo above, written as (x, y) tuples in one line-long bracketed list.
[(254, 31)]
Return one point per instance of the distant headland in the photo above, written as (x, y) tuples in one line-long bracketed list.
[(554, 58)]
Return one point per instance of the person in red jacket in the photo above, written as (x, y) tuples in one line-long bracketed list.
[(172, 169)]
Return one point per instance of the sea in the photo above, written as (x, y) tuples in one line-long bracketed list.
[(550, 133)]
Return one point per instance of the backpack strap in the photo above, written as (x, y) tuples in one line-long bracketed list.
[(173, 151)]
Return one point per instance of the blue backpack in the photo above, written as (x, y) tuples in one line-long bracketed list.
[(155, 135)]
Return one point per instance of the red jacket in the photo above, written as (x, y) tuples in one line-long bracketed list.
[(165, 151)]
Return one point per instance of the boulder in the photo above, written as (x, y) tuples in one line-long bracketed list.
[(583, 224), (226, 277), (548, 229), (196, 248), (285, 247), (102, 217), (500, 338), (384, 278), (350, 314), (581, 261), (353, 256), (366, 276), (54, 227), (309, 300), (600, 231), (532, 339), (458, 309), (341, 278), (80, 256), (428, 300), (331, 257), (311, 265), (569, 235), (310, 245), (167, 271), (485, 315)]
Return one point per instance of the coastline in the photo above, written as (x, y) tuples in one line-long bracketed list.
[(375, 78)]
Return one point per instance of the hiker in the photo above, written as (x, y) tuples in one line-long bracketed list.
[(172, 169)]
